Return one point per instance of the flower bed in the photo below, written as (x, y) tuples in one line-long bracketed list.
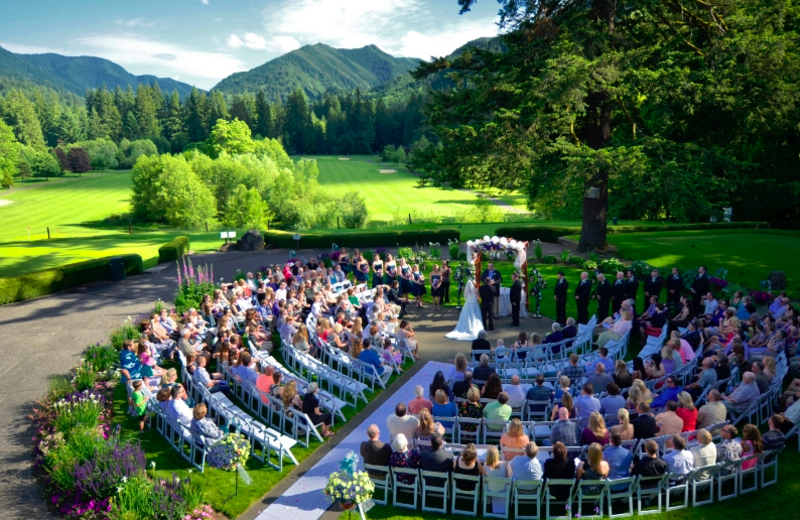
[(89, 469)]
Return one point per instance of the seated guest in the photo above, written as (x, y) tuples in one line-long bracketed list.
[(427, 427), (570, 331), (213, 382), (729, 448), (436, 459), (439, 383), (619, 329), (705, 453), (402, 457), (751, 445), (555, 336), (594, 468), (619, 459), (539, 392), (419, 402), (460, 388), (467, 464), (492, 388), (401, 422), (774, 439), (621, 375), (483, 371), (600, 379), (460, 365), (573, 371), (444, 408), (687, 412), (202, 425), (602, 357), (514, 391), (564, 431), (679, 461), (245, 371), (624, 428), (613, 402), (177, 409), (498, 411), (265, 381), (707, 378), (481, 343), (373, 451), (713, 412), (560, 467), (563, 387), (587, 403), (163, 397), (471, 409), (668, 422), (670, 393), (744, 395), (527, 467), (373, 362), (644, 425), (651, 465), (496, 468), (514, 438), (596, 432), (130, 365), (311, 408)]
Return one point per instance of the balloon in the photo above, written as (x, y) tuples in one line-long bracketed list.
[(486, 238), (504, 241), (469, 243), (495, 239)]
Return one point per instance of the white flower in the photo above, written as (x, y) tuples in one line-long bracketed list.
[(124, 479)]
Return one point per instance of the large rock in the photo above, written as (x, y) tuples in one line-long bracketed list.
[(251, 241), (778, 280)]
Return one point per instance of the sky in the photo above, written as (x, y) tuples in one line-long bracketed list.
[(201, 42)]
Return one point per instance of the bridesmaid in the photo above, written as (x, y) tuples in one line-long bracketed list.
[(436, 286), (361, 269), (405, 276), (417, 280), (391, 270), (344, 261), (377, 271)]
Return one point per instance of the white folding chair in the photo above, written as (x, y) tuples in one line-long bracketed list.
[(728, 474), (551, 498), (703, 482), (748, 478), (675, 488), (649, 489), (381, 477), (592, 492), (526, 492), (621, 490), (399, 486), (468, 490), (435, 484), (498, 500), (769, 462)]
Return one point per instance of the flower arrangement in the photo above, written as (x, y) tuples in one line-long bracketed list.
[(228, 452), (719, 283), (761, 297), (349, 486), (494, 246), (434, 250)]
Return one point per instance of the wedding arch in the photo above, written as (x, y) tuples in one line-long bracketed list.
[(494, 247)]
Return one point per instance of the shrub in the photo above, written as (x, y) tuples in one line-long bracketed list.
[(82, 408), (575, 260), (549, 259), (354, 210), (128, 330), (362, 239), (538, 251), (405, 252), (48, 281), (369, 256), (174, 249), (101, 357), (611, 266), (565, 256), (454, 251), (117, 461), (590, 265)]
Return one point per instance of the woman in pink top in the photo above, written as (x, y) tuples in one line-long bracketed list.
[(265, 382), (751, 445), (514, 438)]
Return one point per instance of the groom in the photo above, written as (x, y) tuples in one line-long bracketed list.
[(494, 280), (487, 300), (516, 299)]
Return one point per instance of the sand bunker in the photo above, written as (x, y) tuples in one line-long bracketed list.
[(388, 171), (344, 158), (5, 202)]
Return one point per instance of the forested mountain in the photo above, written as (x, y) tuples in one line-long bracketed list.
[(75, 74), (319, 69)]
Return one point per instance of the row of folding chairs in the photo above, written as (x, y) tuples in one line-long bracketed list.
[(348, 389), (453, 493)]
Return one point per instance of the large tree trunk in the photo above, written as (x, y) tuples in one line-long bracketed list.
[(597, 132)]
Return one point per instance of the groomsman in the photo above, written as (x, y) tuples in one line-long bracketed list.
[(582, 292), (603, 297), (495, 281), (674, 287), (699, 289), (515, 296), (631, 290), (486, 293), (653, 285), (618, 292), (562, 286)]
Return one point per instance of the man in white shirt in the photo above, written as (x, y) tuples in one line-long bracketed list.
[(680, 461), (177, 410), (245, 371), (527, 467), (711, 304), (401, 422), (514, 391)]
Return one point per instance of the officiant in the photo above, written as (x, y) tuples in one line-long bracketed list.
[(494, 279)]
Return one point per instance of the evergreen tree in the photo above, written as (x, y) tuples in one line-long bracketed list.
[(146, 111), (130, 127), (297, 122), (21, 117), (263, 116), (9, 155), (196, 111)]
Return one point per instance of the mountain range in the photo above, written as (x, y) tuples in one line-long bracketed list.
[(75, 73), (317, 69)]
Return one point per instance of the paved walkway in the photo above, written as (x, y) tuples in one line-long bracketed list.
[(44, 337)]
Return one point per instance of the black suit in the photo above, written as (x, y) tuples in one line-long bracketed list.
[(497, 278), (376, 453), (631, 290), (436, 460), (652, 287), (562, 287), (618, 291), (480, 344), (392, 297), (582, 292), (644, 426), (700, 289), (603, 299), (487, 300), (516, 300), (674, 288)]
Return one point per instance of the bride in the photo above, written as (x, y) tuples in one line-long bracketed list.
[(470, 322)]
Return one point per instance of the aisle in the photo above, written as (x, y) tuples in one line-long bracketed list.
[(304, 500)]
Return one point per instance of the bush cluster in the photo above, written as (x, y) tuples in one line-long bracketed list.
[(173, 250), (363, 240)]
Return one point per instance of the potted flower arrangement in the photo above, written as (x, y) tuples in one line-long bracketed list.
[(231, 450), (348, 486)]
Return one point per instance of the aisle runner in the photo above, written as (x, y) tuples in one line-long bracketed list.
[(304, 500)]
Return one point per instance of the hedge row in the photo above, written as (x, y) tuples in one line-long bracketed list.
[(552, 234), (174, 249), (48, 281), (311, 239)]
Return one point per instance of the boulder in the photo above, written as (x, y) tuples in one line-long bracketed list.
[(251, 241), (778, 280)]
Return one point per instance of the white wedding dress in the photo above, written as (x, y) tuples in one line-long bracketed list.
[(469, 322)]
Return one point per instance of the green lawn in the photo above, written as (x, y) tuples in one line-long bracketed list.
[(390, 193)]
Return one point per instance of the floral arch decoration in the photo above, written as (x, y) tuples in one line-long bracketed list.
[(494, 247)]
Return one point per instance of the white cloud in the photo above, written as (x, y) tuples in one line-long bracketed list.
[(205, 2), (234, 42), (283, 44), (21, 48), (254, 41), (136, 22), (415, 28)]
